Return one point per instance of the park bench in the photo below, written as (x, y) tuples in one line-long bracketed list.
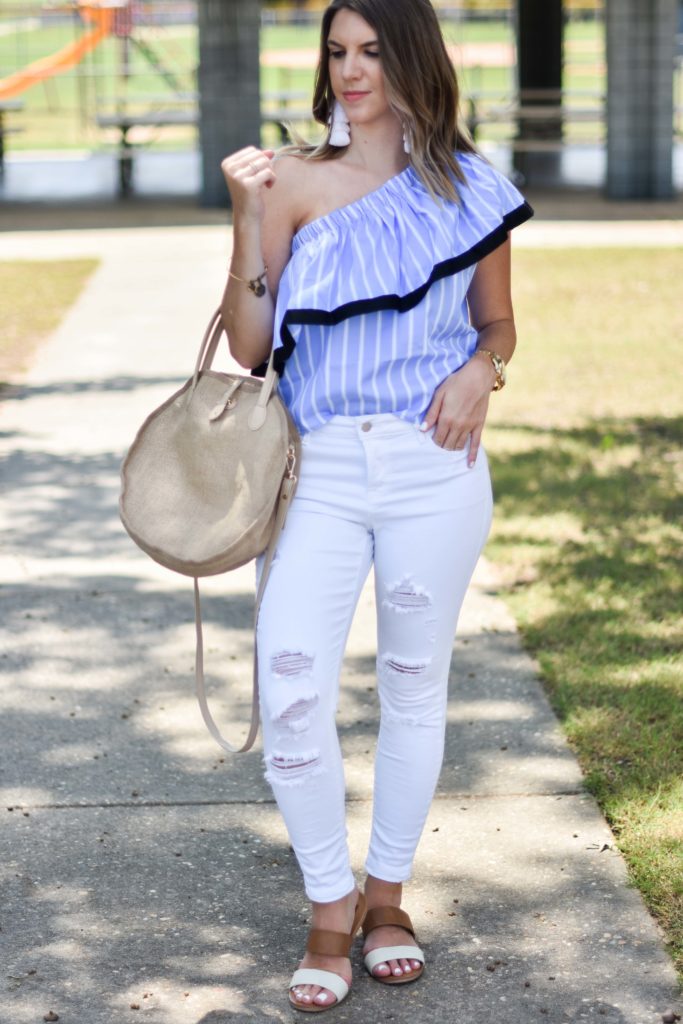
[(277, 109), (124, 122), (479, 110)]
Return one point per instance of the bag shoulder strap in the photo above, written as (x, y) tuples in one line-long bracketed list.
[(284, 499)]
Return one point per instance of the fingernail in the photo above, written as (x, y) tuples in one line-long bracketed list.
[(424, 425)]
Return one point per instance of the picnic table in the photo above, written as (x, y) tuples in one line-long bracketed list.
[(534, 108), (125, 121), (279, 107)]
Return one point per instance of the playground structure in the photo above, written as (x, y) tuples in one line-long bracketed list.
[(117, 18), (122, 59), (126, 79), (103, 18)]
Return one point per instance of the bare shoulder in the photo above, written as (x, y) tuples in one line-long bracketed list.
[(292, 178), (303, 184), (283, 205)]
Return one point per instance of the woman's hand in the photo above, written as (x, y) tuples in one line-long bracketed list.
[(460, 405), (247, 173)]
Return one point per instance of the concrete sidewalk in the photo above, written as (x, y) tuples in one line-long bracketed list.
[(147, 877)]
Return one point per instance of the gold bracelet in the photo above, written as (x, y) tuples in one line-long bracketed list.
[(498, 364), (256, 284)]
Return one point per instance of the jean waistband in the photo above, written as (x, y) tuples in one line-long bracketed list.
[(383, 423)]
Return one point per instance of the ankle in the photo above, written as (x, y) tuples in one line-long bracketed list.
[(381, 893), (327, 915)]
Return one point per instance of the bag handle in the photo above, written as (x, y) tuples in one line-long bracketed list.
[(205, 358), (286, 493), (209, 345)]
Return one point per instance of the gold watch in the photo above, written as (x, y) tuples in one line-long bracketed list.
[(498, 366)]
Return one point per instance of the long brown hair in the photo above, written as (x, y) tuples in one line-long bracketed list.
[(421, 86)]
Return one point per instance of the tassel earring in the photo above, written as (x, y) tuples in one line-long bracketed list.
[(406, 140), (340, 129)]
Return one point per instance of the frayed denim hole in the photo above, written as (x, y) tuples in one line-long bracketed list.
[(292, 663), (406, 597), (293, 769), (395, 665), (296, 717)]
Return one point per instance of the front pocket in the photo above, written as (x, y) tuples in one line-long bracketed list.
[(426, 441)]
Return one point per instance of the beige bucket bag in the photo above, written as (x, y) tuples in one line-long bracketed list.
[(207, 482)]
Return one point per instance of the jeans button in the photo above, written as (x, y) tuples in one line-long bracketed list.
[(366, 426)]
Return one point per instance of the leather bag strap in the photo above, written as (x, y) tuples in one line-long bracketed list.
[(205, 358), (286, 492)]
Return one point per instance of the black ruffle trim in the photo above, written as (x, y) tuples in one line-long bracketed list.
[(399, 303)]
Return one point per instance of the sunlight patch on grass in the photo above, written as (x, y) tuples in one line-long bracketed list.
[(34, 295), (586, 450)]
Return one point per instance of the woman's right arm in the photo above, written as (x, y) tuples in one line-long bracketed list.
[(264, 222)]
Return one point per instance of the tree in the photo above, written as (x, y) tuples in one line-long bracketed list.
[(229, 96)]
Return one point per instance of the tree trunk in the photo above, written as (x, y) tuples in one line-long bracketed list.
[(229, 93), (641, 47), (539, 60)]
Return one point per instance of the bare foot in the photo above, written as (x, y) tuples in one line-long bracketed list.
[(388, 894), (336, 917)]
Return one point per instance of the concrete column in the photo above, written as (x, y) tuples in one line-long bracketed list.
[(641, 37), (539, 69), (229, 97)]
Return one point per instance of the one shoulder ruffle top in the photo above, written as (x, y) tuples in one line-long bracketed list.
[(371, 312)]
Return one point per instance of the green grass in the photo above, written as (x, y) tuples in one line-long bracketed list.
[(34, 296), (587, 454)]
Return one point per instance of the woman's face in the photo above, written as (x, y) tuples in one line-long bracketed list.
[(355, 67)]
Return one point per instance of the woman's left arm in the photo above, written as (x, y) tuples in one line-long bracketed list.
[(461, 402)]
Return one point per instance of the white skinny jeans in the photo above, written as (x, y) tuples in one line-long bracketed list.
[(371, 489)]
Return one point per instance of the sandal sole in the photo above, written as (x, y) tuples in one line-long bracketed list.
[(315, 1009)]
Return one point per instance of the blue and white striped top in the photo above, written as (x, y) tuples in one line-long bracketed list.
[(371, 311)]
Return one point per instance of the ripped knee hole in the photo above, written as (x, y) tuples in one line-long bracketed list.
[(407, 596)]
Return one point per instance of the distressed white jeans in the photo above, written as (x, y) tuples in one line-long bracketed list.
[(371, 489)]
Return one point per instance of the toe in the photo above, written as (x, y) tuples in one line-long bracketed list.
[(395, 967), (304, 993), (405, 966), (381, 970), (324, 998)]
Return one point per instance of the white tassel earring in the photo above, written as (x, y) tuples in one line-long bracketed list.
[(406, 140), (340, 129)]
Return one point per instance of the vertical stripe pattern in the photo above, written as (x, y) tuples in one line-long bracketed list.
[(371, 311)]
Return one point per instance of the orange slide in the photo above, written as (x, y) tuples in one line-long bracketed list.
[(67, 57)]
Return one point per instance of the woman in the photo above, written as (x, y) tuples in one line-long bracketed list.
[(385, 257)]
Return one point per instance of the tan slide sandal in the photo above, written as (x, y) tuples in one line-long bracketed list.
[(391, 916), (327, 943)]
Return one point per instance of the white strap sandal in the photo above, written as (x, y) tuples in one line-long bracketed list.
[(326, 943), (391, 916), (326, 979)]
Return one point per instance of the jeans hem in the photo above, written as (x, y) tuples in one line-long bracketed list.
[(388, 874), (328, 894)]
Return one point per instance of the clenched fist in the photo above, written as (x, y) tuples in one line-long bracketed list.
[(247, 173)]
